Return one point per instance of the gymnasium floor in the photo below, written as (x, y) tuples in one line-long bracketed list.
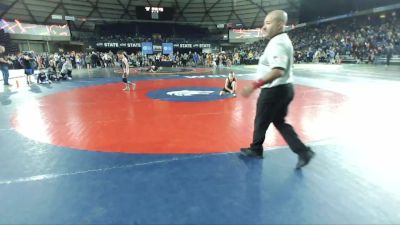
[(86, 152)]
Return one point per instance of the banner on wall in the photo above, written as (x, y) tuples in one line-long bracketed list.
[(17, 28), (154, 47), (243, 35), (167, 48), (147, 48), (157, 48)]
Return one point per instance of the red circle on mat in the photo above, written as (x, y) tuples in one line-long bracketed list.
[(105, 118)]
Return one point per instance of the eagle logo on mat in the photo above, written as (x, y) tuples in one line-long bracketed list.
[(187, 94)]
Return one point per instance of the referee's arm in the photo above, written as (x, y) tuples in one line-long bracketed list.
[(274, 74)]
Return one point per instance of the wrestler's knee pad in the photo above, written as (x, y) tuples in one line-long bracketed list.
[(125, 80)]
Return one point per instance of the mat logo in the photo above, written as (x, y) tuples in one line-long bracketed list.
[(189, 93)]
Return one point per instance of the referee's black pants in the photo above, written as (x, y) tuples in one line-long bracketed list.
[(272, 107)]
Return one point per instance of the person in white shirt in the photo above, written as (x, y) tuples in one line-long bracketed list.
[(275, 80), (66, 70)]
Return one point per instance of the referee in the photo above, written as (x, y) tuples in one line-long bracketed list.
[(275, 78)]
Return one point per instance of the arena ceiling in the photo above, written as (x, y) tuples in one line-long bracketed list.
[(205, 13)]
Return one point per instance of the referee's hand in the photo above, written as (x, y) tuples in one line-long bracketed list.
[(247, 91)]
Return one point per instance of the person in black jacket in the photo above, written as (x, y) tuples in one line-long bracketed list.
[(4, 63), (27, 63)]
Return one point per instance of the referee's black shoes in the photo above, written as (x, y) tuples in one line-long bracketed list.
[(251, 153), (304, 158)]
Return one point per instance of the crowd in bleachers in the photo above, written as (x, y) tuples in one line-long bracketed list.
[(48, 68), (154, 39), (361, 38)]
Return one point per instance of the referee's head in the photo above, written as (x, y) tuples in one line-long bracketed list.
[(274, 23)]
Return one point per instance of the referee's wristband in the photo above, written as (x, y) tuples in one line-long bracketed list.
[(258, 83)]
